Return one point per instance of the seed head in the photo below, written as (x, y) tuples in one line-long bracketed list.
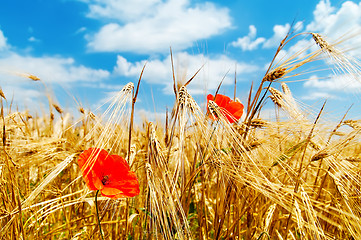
[(275, 74), (2, 94), (57, 108)]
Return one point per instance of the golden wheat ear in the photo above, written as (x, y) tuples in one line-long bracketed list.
[(2, 94)]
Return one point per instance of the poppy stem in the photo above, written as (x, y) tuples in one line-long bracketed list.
[(96, 207)]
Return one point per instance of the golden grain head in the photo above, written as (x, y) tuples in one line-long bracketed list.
[(322, 43), (2, 94), (92, 115), (319, 156), (128, 88), (353, 159), (34, 78), (57, 108), (277, 97), (275, 74), (256, 122), (355, 124), (285, 89), (28, 116), (213, 109)]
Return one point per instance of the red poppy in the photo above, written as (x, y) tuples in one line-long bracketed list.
[(108, 173), (230, 109)]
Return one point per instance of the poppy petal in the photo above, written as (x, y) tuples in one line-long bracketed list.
[(120, 162), (109, 173), (230, 109), (109, 191), (102, 161), (97, 181), (210, 97), (222, 100), (83, 158), (89, 183), (236, 109), (85, 166), (128, 184)]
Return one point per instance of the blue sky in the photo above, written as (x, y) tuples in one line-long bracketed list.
[(88, 49)]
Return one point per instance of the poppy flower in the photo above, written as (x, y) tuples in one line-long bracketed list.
[(108, 173), (230, 109)]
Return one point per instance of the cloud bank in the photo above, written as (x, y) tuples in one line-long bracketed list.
[(213, 70), (152, 26)]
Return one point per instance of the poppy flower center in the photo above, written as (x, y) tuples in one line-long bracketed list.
[(105, 179)]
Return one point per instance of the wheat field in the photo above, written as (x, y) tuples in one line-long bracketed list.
[(293, 178)]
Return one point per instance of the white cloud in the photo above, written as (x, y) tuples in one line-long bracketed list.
[(25, 96), (172, 23), (249, 42), (15, 70), (3, 44), (50, 69), (186, 65), (335, 24), (279, 33), (344, 82), (322, 16), (125, 10), (54, 69), (81, 30), (299, 49), (298, 26), (33, 39)]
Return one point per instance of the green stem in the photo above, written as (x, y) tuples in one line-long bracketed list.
[(96, 207)]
